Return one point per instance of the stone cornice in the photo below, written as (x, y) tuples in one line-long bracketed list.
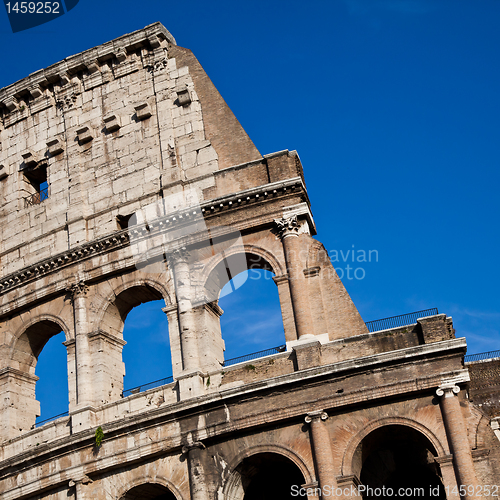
[(102, 335), (149, 36), (59, 261), (13, 372), (121, 238)]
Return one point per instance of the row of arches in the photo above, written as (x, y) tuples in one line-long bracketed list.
[(93, 322), (252, 321), (391, 460)]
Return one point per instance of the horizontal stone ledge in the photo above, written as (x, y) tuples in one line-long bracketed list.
[(121, 238), (150, 418), (72, 64)]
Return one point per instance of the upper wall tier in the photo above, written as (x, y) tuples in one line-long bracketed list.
[(91, 139)]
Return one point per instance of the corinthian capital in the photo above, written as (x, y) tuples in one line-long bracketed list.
[(287, 226), (178, 255), (77, 289)]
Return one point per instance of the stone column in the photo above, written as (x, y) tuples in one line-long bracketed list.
[(174, 338), (456, 432), (289, 231), (84, 389), (448, 474), (322, 450), (79, 485), (178, 261), (197, 480)]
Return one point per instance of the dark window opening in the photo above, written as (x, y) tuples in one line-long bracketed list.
[(123, 221), (37, 179), (269, 476), (149, 491), (399, 458)]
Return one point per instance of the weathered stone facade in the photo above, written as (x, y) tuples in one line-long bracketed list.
[(135, 126)]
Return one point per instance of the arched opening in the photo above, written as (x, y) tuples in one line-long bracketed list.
[(395, 457), (52, 385), (43, 391), (146, 354), (252, 319), (149, 491), (137, 349), (266, 476)]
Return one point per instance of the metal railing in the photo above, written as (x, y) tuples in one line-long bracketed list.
[(228, 362), (51, 419), (145, 387), (396, 321), (254, 355), (37, 198), (481, 356)]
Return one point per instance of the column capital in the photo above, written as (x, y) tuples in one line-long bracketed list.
[(449, 385), (81, 480), (178, 255), (287, 226), (316, 415), (447, 390), (194, 445), (77, 289)]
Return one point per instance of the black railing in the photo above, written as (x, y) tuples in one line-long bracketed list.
[(254, 355), (37, 198), (47, 420), (145, 387), (396, 321), (481, 356)]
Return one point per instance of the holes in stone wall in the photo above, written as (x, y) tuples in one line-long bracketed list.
[(36, 181)]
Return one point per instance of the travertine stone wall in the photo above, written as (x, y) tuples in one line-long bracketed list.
[(115, 126)]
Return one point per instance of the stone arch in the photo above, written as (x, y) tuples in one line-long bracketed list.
[(156, 480), (266, 259), (20, 381), (478, 426), (482, 430), (233, 485), (31, 338), (106, 340), (347, 460), (114, 308), (224, 266)]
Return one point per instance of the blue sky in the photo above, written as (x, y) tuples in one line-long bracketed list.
[(393, 107)]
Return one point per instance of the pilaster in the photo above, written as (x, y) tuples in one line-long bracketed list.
[(288, 229), (456, 432), (84, 386), (197, 479), (322, 450)]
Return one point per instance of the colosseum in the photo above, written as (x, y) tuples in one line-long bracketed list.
[(125, 178)]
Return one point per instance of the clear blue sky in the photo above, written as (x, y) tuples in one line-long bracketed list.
[(393, 106)]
